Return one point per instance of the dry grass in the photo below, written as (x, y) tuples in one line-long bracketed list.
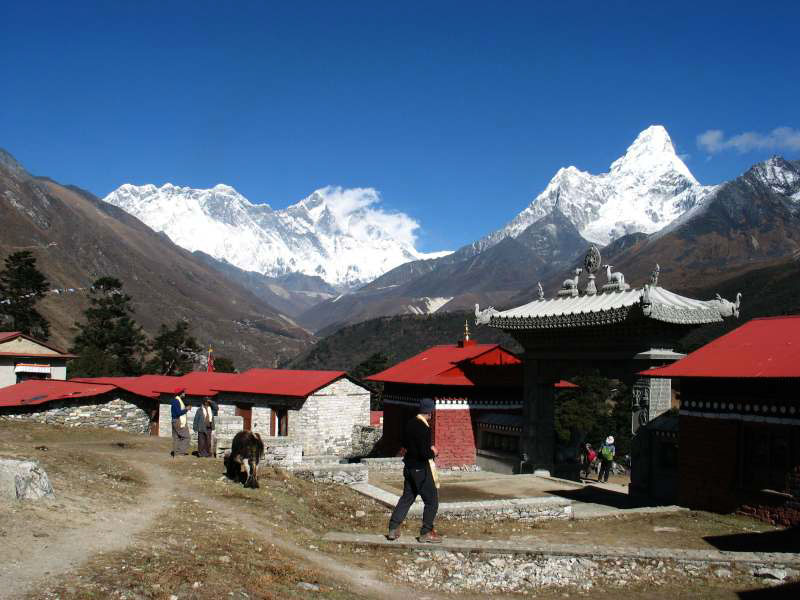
[(194, 552)]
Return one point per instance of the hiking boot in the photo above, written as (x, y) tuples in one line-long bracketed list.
[(392, 535), (430, 538)]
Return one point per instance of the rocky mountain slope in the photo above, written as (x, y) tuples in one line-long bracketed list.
[(340, 235), (460, 280), (77, 238)]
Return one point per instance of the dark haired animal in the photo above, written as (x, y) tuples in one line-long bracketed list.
[(241, 461)]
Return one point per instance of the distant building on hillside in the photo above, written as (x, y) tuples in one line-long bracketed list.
[(23, 357), (477, 391), (739, 422)]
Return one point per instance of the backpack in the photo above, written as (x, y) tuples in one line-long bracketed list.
[(607, 453)]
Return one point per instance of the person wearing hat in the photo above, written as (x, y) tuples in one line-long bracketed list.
[(419, 476), (180, 432), (607, 453)]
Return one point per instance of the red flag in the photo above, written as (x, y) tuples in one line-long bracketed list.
[(210, 368)]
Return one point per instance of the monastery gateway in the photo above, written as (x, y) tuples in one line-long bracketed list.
[(617, 330)]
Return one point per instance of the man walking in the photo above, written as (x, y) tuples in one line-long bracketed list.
[(419, 476)]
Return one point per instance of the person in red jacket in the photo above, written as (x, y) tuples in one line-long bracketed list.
[(419, 476)]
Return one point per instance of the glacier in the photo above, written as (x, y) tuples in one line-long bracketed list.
[(341, 235)]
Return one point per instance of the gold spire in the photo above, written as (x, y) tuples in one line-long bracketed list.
[(466, 330)]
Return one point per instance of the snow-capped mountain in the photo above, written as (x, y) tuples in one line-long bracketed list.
[(643, 191), (340, 235)]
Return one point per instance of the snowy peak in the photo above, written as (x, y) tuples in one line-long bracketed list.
[(340, 235), (779, 175), (644, 190), (652, 152)]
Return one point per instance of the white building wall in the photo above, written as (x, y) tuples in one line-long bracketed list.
[(7, 375), (324, 424), (58, 368)]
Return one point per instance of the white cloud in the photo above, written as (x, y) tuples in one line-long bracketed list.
[(356, 212), (714, 141)]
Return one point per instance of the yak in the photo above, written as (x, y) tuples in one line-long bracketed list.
[(241, 461)]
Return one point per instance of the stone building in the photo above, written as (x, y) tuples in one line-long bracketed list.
[(738, 440), (76, 404), (23, 357), (477, 391), (322, 412)]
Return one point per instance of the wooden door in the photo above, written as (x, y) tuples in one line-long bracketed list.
[(246, 412)]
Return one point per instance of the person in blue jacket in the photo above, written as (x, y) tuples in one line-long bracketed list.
[(180, 431)]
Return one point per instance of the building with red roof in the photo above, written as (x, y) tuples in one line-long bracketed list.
[(477, 391), (318, 409), (739, 421), (23, 357)]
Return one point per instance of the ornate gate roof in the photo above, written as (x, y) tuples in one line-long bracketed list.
[(614, 303)]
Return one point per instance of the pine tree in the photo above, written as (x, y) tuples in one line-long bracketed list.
[(175, 351), (22, 285), (223, 364), (110, 343)]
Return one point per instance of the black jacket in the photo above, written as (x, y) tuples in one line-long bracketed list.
[(417, 442)]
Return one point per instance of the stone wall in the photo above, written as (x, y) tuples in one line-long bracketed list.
[(86, 412), (327, 418), (282, 451), (349, 474), (226, 426), (365, 440)]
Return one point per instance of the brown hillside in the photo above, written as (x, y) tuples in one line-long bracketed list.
[(76, 238)]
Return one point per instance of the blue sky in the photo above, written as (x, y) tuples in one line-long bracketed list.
[(459, 113)]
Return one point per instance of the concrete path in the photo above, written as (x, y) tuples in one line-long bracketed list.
[(577, 550), (578, 510)]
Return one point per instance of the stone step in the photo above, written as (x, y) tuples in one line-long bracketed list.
[(322, 459), (592, 551), (345, 474)]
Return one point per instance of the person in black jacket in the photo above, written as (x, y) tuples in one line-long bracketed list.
[(418, 476)]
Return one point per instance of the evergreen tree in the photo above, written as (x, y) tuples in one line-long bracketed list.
[(375, 363), (22, 285), (110, 343), (175, 351), (599, 407), (223, 364)]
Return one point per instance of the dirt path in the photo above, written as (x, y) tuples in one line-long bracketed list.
[(64, 551), (115, 530)]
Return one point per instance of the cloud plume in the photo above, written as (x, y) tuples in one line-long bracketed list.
[(714, 141)]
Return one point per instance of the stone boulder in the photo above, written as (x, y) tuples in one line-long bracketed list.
[(23, 480)]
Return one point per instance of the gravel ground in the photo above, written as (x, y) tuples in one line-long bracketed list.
[(457, 572)]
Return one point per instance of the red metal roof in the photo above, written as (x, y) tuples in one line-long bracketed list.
[(564, 385), (768, 347), (281, 382), (267, 382), (446, 365), (39, 391), (145, 385)]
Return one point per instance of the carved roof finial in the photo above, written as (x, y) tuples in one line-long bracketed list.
[(654, 276)]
